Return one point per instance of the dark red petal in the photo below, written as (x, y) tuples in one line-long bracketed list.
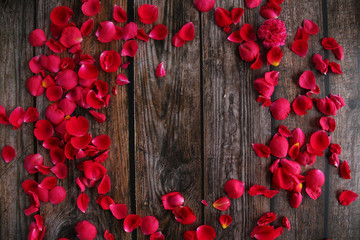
[(57, 195), (249, 51), (54, 93), (82, 202), (142, 36), (85, 230), (294, 151), (300, 47), (172, 200), (328, 124), (3, 117), (335, 68), (131, 222), (236, 14), (257, 190), (67, 79), (347, 197), (102, 142), (77, 126), (263, 233), (93, 170), (121, 79), (266, 219), (149, 225), (261, 150), (225, 220), (338, 52), (51, 63), (34, 85), (184, 215), (86, 27), (280, 109), (60, 16), (105, 202), (271, 193), (301, 104), (31, 115), (54, 46), (110, 61), (337, 100), (189, 235), (311, 27), (129, 31), (263, 87), (31, 161), (90, 7), (90, 71), (285, 222), (99, 117), (148, 13), (345, 170), (43, 130), (334, 160), (284, 131), (204, 5), (157, 236), (326, 106), (119, 14), (302, 34), (274, 56), (235, 37), (222, 17), (108, 235), (205, 232), (258, 63), (70, 36), (187, 32), (106, 32), (8, 153), (320, 140), (118, 210), (272, 77), (60, 170), (247, 32), (335, 148), (234, 188), (320, 64), (222, 204), (37, 38), (130, 48), (54, 114), (314, 181), (329, 43), (270, 10), (291, 167), (307, 80), (160, 70), (295, 199), (57, 155), (177, 41), (105, 185), (81, 142), (252, 3), (159, 32)]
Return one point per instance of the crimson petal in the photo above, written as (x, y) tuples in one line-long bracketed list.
[(184, 215), (148, 13), (160, 70), (131, 222), (204, 5), (90, 7), (118, 210), (149, 225), (119, 14), (85, 230), (205, 232), (347, 197), (57, 195), (130, 48), (225, 220), (82, 202), (311, 27), (234, 188), (274, 56), (8, 153), (105, 185), (222, 204), (77, 126), (159, 32), (300, 47), (37, 38), (86, 27), (280, 109), (345, 170), (172, 200)]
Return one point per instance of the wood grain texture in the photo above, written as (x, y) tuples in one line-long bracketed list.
[(233, 120), (309, 224), (343, 24), (13, 74), (168, 122)]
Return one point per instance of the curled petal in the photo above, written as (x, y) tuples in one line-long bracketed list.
[(258, 63), (82, 202), (311, 27), (70, 36), (222, 17), (204, 5), (110, 61), (285, 222), (121, 79), (85, 230), (94, 171), (263, 87), (130, 48), (60, 16), (108, 235), (177, 41), (57, 195), (131, 222), (99, 117), (81, 142), (326, 106), (266, 219), (172, 200), (249, 51), (31, 115), (274, 56), (338, 52), (106, 32), (329, 43), (294, 151), (205, 232), (34, 85), (302, 34), (222, 204), (225, 220), (272, 77), (314, 181), (257, 190), (301, 104), (235, 37), (105, 185), (159, 32), (270, 10), (270, 193), (102, 142), (105, 202), (118, 210), (280, 109), (119, 14), (334, 160), (16, 117), (320, 64), (37, 38), (284, 131), (335, 148), (337, 100), (184, 215), (345, 170), (57, 155), (236, 14), (160, 70), (86, 27), (234, 188), (157, 236), (60, 170), (252, 3), (129, 31), (54, 46), (335, 68), (261, 150), (93, 100), (189, 235), (347, 197), (295, 199), (8, 153), (247, 32), (300, 47), (142, 36), (148, 13), (328, 124), (54, 114), (149, 225), (320, 140)]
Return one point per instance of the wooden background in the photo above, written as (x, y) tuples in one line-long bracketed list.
[(192, 130)]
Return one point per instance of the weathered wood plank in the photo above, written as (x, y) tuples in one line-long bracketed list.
[(168, 122), (306, 222), (14, 70), (343, 25), (233, 120), (61, 219)]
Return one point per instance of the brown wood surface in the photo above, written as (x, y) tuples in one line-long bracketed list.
[(191, 130)]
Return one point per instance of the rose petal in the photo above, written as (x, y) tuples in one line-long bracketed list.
[(129, 31), (347, 197), (148, 13), (157, 236), (236, 14), (258, 63), (266, 219), (149, 225), (234, 188), (335, 68), (60, 16), (302, 34), (320, 140), (295, 199), (86, 27), (247, 32), (301, 104), (320, 64), (225, 220), (285, 222), (270, 10), (172, 200), (99, 117), (204, 5), (222, 17), (90, 7), (34, 85), (257, 190), (121, 79), (57, 195), (280, 109), (70, 36), (130, 48), (328, 124), (334, 160), (249, 51), (314, 181), (119, 211), (263, 87), (108, 235), (85, 230), (189, 235), (131, 222), (160, 70), (37, 38), (300, 47), (274, 56), (105, 185), (67, 79), (60, 170), (184, 215), (329, 43), (106, 32), (119, 14), (338, 52), (8, 153), (105, 202), (235, 37), (110, 61), (252, 3), (205, 232), (222, 204), (77, 126), (82, 202), (345, 170), (142, 36), (43, 130), (311, 27), (261, 150), (159, 32)]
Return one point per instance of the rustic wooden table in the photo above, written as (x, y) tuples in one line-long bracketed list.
[(192, 130)]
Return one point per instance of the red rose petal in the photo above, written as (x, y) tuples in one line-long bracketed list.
[(108, 235), (311, 27), (302, 34), (225, 220), (285, 222), (347, 197), (119, 14), (102, 142), (326, 106), (271, 193), (301, 104), (118, 210), (37, 38), (295, 199), (345, 170), (85, 230), (160, 70), (106, 32), (60, 16), (121, 79), (99, 117), (57, 195), (189, 235), (159, 32), (86, 27), (54, 114), (263, 87), (280, 109), (148, 13), (294, 151), (149, 225), (67, 79), (60, 170), (105, 202), (261, 150), (252, 3), (320, 64), (222, 17), (90, 7), (204, 202), (172, 200), (307, 80), (335, 68), (94, 171), (105, 185), (258, 63), (204, 5), (249, 51), (222, 204), (335, 148), (338, 52), (131, 222), (234, 188), (82, 202), (266, 219), (43, 130), (142, 36), (110, 61), (184, 215), (3, 117), (81, 142), (247, 32), (205, 232), (129, 31), (274, 56), (236, 14), (57, 155), (157, 236), (320, 140), (257, 190), (330, 43), (235, 37), (279, 146), (54, 93), (337, 100), (328, 124), (300, 47), (70, 36), (314, 181), (31, 115), (334, 160), (187, 32), (130, 48), (8, 153), (54, 46), (270, 10), (177, 41), (77, 126), (34, 85), (284, 131), (91, 72)]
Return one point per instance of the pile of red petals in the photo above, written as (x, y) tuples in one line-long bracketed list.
[(300, 46), (264, 231)]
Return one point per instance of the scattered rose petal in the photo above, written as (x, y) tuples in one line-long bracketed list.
[(280, 109), (225, 220), (119, 14), (131, 222), (222, 17), (335, 68), (270, 10), (235, 37), (60, 16), (105, 185), (34, 85), (314, 181), (90, 7), (301, 104), (37, 38), (70, 36), (252, 3), (285, 222), (222, 204), (266, 219), (110, 61), (77, 126), (236, 14), (130, 48), (159, 32), (234, 188), (129, 31), (148, 13), (204, 5), (249, 51), (184, 215), (345, 170), (172, 200), (328, 124), (82, 202), (160, 70), (86, 27), (8, 153), (157, 236), (261, 150), (149, 225), (311, 27), (43, 130), (108, 235), (85, 230), (106, 32), (205, 232), (320, 64), (247, 32), (57, 195), (320, 140), (347, 197), (118, 210), (274, 56), (300, 47)]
